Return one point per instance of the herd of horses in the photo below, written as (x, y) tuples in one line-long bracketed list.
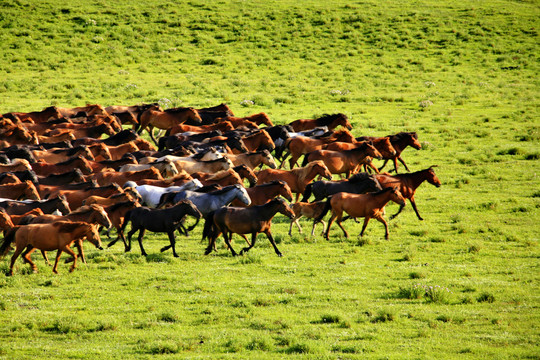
[(67, 173)]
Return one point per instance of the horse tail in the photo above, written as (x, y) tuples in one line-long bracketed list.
[(327, 207), (307, 192), (208, 225), (9, 238)]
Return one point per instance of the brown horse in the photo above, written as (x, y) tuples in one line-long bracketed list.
[(399, 141), (254, 159), (166, 167), (246, 173), (108, 177), (310, 210), (301, 145), (5, 221), (408, 183), (64, 135), (98, 166), (91, 131), (343, 162), (57, 155), (370, 205), (23, 190), (111, 200), (15, 165), (210, 166), (331, 121), (298, 178), (40, 116), (251, 220), (16, 219), (88, 110), (100, 151), (18, 135), (260, 118), (222, 178), (118, 151), (117, 213), (257, 141), (75, 198), (59, 235), (43, 169), (261, 194), (48, 206), (166, 119), (182, 128)]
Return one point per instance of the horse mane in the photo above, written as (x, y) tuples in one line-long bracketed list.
[(272, 183), (358, 177), (224, 190), (68, 226), (304, 171), (119, 205), (404, 134), (179, 110)]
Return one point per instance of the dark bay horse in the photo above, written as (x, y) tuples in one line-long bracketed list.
[(408, 183), (368, 206), (23, 190), (159, 220), (331, 121), (399, 141), (165, 120), (56, 236), (245, 172), (47, 206), (357, 184), (251, 220)]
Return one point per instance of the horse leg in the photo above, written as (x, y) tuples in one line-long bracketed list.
[(173, 241), (338, 221), (55, 267), (253, 240), (413, 203), (27, 259), (332, 218), (403, 162), (381, 219), (150, 130), (366, 220), (370, 164), (130, 234), (228, 242), (13, 258), (295, 221), (399, 211), (72, 253), (383, 165), (269, 235), (139, 239)]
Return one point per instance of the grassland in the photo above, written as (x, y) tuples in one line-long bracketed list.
[(464, 75)]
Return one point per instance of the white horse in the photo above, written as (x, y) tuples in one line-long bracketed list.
[(151, 194)]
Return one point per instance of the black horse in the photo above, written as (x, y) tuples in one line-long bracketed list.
[(357, 184), (59, 203), (160, 220), (67, 177)]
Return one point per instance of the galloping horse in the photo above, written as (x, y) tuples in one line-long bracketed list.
[(15, 165), (251, 220), (368, 206), (89, 109), (222, 178), (211, 166), (343, 162), (117, 213), (399, 141), (75, 198), (357, 184), (246, 173), (43, 168), (182, 128), (159, 220), (331, 121), (310, 210), (254, 159), (40, 116), (166, 119), (109, 177), (257, 141), (47, 206), (59, 235), (297, 178), (408, 183), (207, 202), (166, 167), (260, 118), (52, 156), (23, 190), (151, 195), (68, 177), (261, 194), (300, 145)]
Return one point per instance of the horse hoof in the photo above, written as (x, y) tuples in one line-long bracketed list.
[(280, 254)]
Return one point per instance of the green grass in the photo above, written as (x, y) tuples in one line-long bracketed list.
[(464, 75)]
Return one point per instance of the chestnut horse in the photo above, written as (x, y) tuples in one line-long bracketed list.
[(52, 156), (166, 119), (408, 183), (246, 173), (23, 190), (222, 178), (89, 109), (331, 121), (257, 141), (399, 141), (300, 145), (58, 235), (182, 128), (343, 162), (368, 206), (261, 194), (298, 178), (39, 116), (260, 118), (44, 169), (254, 159), (75, 198), (251, 220), (310, 210), (15, 165)]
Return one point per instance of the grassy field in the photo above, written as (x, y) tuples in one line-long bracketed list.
[(463, 283)]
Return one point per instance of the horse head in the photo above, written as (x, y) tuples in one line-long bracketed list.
[(432, 178)]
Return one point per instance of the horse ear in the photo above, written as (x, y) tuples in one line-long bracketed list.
[(432, 166)]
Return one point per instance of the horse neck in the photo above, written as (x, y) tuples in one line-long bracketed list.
[(399, 144), (414, 179), (382, 199)]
